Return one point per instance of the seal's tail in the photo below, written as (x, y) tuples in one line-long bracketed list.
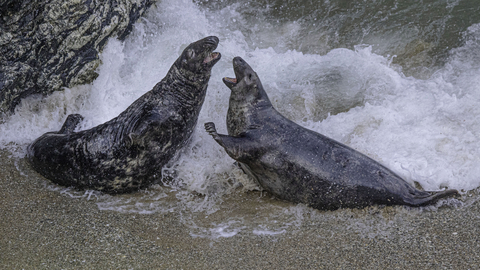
[(70, 124), (429, 198)]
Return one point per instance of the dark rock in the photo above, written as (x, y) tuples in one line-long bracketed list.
[(50, 44)]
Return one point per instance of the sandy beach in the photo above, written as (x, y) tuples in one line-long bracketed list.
[(395, 80), (41, 228)]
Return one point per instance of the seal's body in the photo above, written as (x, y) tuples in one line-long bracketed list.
[(300, 165), (129, 151)]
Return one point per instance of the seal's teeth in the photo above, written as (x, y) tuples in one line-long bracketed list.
[(211, 57), (232, 80)]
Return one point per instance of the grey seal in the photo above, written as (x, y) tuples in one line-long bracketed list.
[(300, 165), (128, 152)]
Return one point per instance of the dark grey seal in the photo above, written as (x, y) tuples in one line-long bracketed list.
[(129, 151), (300, 165)]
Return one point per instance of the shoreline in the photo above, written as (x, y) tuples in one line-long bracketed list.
[(41, 228)]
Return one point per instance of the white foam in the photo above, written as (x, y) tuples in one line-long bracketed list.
[(225, 229), (425, 130), (267, 232)]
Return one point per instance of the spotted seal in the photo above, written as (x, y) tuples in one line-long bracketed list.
[(129, 151), (300, 165)]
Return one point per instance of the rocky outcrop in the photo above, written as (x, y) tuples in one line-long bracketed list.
[(49, 44)]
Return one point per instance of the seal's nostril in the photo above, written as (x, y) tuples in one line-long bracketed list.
[(215, 39), (211, 41)]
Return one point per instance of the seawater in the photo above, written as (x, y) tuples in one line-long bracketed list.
[(396, 80)]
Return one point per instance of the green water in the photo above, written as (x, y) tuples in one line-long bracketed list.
[(419, 33)]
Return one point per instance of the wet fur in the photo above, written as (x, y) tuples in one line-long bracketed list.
[(129, 151), (300, 165)]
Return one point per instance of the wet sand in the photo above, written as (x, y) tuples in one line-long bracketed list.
[(43, 229)]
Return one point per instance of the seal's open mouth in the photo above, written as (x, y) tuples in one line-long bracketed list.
[(241, 69), (229, 82), (211, 57)]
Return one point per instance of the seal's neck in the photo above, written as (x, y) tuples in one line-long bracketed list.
[(245, 114), (186, 86)]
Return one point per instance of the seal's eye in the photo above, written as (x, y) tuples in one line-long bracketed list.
[(191, 54)]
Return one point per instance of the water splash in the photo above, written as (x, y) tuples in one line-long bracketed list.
[(426, 130)]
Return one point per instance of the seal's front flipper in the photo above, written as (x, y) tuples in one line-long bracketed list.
[(71, 123), (210, 128), (236, 147), (432, 198)]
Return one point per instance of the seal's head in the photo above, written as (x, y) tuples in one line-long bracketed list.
[(248, 100), (199, 57), (246, 85)]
